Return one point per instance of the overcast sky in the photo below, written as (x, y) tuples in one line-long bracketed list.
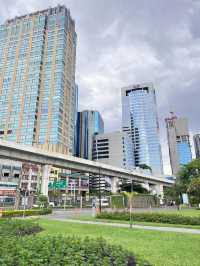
[(122, 42)]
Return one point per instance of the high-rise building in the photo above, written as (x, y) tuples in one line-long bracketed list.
[(114, 148), (140, 121), (196, 139), (89, 123), (37, 79), (178, 142)]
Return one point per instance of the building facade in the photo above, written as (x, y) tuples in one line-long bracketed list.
[(89, 123), (140, 121), (10, 174), (30, 178), (196, 139), (114, 148), (37, 79), (178, 142)]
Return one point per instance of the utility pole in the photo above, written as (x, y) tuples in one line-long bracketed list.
[(25, 199), (131, 199), (99, 191)]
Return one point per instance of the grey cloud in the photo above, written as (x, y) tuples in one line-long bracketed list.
[(125, 41)]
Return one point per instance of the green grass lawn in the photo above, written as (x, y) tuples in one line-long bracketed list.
[(184, 212), (90, 218), (159, 248)]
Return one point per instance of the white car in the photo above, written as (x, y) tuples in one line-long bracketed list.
[(104, 202), (51, 204)]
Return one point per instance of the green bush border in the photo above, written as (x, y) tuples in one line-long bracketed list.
[(32, 212), (151, 217)]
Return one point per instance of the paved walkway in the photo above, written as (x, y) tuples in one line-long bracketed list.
[(143, 227)]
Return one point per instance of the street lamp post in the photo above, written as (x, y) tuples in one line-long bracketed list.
[(25, 197), (99, 192), (131, 219)]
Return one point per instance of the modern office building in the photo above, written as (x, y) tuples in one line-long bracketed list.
[(140, 121), (196, 139), (178, 142), (37, 79), (89, 123), (114, 148)]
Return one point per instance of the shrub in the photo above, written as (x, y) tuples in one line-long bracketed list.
[(12, 227), (32, 212), (59, 250), (117, 201), (151, 217)]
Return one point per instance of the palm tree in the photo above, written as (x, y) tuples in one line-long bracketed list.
[(130, 196)]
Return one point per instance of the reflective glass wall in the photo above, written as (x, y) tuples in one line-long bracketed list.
[(140, 121), (37, 79), (89, 123)]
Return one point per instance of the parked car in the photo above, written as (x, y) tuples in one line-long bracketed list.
[(104, 202), (51, 204)]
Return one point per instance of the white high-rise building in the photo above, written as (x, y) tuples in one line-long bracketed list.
[(114, 148)]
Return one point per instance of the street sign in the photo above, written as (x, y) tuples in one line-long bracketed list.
[(62, 184)]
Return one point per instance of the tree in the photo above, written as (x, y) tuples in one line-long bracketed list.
[(43, 201), (194, 190), (185, 183), (125, 186), (145, 166), (130, 196), (189, 171), (174, 193), (55, 195)]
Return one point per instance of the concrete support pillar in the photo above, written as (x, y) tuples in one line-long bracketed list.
[(79, 185), (46, 169), (157, 190), (114, 184)]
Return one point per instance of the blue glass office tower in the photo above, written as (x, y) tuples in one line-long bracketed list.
[(140, 121), (37, 79), (89, 123), (178, 142)]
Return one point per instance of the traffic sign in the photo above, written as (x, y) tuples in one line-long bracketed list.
[(62, 184)]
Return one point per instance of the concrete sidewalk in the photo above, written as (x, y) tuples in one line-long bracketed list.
[(143, 227)]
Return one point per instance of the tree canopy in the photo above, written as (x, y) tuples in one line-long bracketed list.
[(188, 182)]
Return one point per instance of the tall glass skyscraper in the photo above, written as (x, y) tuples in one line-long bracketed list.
[(140, 121), (178, 142), (37, 79), (89, 123)]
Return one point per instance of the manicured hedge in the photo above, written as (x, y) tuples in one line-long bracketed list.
[(13, 227), (32, 212), (151, 217), (59, 250)]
